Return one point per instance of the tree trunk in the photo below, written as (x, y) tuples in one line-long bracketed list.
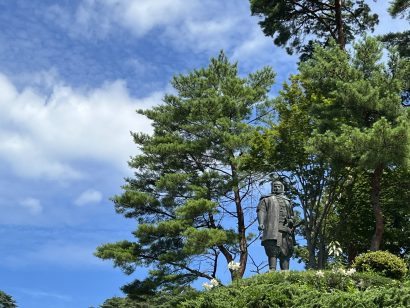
[(341, 40), (312, 254), (322, 255), (351, 253), (375, 180), (243, 245)]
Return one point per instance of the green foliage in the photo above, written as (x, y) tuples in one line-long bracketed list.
[(381, 262), (399, 40), (307, 289), (191, 183), (120, 302), (291, 22), (159, 300), (362, 123), (352, 222), (399, 7), (6, 301)]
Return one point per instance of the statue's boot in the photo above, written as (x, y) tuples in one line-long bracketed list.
[(284, 264), (272, 264)]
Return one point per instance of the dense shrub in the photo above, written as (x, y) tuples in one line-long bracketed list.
[(337, 288), (306, 289), (381, 262), (158, 300)]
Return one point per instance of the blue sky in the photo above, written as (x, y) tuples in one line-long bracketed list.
[(72, 74)]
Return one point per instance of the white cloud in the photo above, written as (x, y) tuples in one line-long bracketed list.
[(199, 25), (194, 26), (87, 197), (32, 205), (144, 15), (54, 253), (97, 18), (44, 294), (43, 136)]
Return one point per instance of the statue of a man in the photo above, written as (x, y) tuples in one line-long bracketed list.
[(275, 217)]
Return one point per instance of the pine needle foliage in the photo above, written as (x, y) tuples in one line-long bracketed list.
[(192, 192)]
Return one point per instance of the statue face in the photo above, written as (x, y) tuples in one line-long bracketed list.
[(277, 187)]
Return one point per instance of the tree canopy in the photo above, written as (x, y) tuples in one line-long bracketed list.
[(338, 133), (361, 122), (297, 25), (6, 301), (192, 194)]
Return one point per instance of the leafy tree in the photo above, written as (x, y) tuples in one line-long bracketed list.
[(400, 7), (353, 222), (192, 194), (282, 147), (291, 23), (6, 301), (362, 122), (400, 40)]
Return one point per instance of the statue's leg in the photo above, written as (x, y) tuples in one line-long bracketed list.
[(272, 264), (284, 263), (271, 252), (285, 253)]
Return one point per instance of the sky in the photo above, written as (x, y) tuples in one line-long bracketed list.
[(72, 74)]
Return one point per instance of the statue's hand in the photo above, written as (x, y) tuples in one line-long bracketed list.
[(261, 227)]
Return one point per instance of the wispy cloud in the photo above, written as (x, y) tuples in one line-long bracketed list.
[(54, 253), (198, 26), (38, 294), (32, 205), (43, 136), (88, 197)]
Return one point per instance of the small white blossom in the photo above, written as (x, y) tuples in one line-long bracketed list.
[(339, 270), (207, 286), (350, 272), (320, 274), (234, 266), (214, 282), (334, 249)]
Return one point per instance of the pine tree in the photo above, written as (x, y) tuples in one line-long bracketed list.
[(291, 23), (362, 123), (6, 301), (192, 194)]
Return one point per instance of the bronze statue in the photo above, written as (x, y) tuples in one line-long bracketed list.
[(275, 217)]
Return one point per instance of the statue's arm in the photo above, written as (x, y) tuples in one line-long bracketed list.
[(291, 216), (261, 213)]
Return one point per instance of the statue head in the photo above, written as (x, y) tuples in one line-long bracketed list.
[(277, 187)]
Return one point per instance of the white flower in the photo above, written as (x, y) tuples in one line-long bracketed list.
[(214, 282), (320, 274), (234, 266), (339, 270), (207, 286), (350, 272), (334, 249)]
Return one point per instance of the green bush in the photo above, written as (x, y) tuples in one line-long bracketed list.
[(306, 289), (381, 262), (337, 288)]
